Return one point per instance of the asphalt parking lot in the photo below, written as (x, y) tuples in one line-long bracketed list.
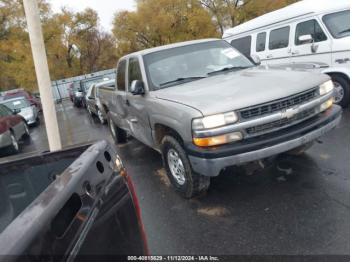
[(299, 206)]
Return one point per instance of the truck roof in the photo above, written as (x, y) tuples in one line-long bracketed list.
[(296, 10), (164, 47)]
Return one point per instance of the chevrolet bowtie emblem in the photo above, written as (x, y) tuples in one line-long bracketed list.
[(289, 113)]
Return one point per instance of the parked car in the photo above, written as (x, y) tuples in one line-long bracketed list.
[(22, 106), (13, 128), (22, 93), (81, 88), (78, 94), (93, 103), (307, 31), (205, 107), (72, 205)]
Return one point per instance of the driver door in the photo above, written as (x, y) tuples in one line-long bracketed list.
[(318, 51), (137, 116)]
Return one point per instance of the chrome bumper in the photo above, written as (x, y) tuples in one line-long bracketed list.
[(212, 167)]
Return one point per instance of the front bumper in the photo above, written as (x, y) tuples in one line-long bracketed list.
[(210, 161), (5, 139)]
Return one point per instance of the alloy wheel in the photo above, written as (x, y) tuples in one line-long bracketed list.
[(176, 167)]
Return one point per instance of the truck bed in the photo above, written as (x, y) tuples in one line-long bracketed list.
[(66, 204)]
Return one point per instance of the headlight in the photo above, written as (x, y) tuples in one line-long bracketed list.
[(214, 121), (326, 88), (218, 140)]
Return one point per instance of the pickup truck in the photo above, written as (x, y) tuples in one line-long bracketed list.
[(206, 107), (70, 204)]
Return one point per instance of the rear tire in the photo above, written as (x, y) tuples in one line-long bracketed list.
[(300, 150), (119, 135), (342, 90), (185, 181), (26, 135)]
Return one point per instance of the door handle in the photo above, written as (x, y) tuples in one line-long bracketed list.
[(134, 120), (269, 56), (296, 52)]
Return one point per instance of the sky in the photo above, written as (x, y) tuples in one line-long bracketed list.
[(105, 8)]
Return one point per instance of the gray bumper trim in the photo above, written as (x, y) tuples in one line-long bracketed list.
[(212, 167)]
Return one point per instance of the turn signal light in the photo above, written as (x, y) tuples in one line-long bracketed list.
[(218, 140)]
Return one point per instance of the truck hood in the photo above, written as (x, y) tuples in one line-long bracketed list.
[(238, 90)]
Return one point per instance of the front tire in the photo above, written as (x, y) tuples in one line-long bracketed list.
[(342, 90), (185, 181), (14, 147), (119, 135)]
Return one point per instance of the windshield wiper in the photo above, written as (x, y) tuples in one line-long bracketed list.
[(226, 69), (182, 79), (344, 31)]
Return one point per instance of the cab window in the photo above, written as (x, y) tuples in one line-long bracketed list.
[(134, 70), (279, 38), (121, 75), (243, 45), (261, 42), (312, 28)]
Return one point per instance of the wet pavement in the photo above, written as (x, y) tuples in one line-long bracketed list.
[(299, 206)]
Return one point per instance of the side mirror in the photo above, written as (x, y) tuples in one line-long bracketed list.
[(256, 59), (16, 111), (137, 87), (305, 39)]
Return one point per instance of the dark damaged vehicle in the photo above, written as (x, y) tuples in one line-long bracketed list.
[(70, 204)]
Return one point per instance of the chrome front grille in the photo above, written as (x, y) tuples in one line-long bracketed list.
[(282, 123), (279, 105)]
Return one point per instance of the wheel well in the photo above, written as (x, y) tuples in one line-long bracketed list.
[(161, 131), (339, 74), (105, 108)]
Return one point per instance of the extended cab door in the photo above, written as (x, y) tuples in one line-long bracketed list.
[(136, 106), (318, 49), (118, 107), (90, 99)]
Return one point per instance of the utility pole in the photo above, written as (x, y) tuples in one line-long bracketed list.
[(42, 73)]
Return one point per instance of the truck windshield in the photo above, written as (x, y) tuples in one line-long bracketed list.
[(192, 62), (338, 23), (17, 104)]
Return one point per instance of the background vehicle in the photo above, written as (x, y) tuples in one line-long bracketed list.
[(78, 201), (12, 129), (308, 31), (23, 107), (206, 107), (93, 102), (21, 93), (81, 88)]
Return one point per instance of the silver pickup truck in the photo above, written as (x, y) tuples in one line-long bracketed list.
[(206, 107)]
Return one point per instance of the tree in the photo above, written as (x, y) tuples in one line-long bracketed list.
[(62, 32), (230, 13), (160, 22)]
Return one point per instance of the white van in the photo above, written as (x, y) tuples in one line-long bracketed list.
[(312, 31)]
